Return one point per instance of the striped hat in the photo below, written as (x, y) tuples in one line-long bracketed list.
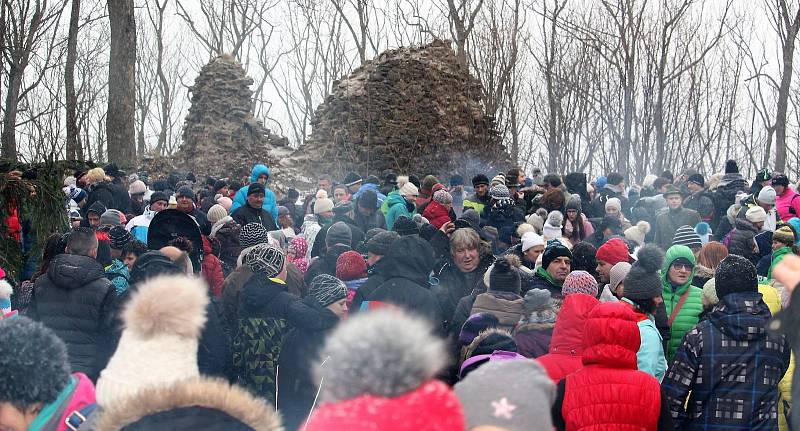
[(685, 235), (253, 234), (327, 289), (265, 259)]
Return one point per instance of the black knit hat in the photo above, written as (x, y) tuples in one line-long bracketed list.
[(338, 233), (368, 199), (405, 226), (34, 367), (733, 275), (185, 191), (253, 234), (219, 184), (553, 250), (697, 179), (158, 196), (764, 175), (643, 280), (731, 167), (504, 277), (119, 236), (380, 242), (480, 179), (780, 179), (327, 289), (256, 188), (351, 179)]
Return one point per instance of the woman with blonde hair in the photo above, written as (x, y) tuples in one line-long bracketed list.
[(708, 259)]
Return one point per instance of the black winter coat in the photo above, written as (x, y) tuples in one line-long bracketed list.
[(100, 192), (122, 200), (377, 276), (77, 302), (407, 284), (325, 264), (246, 214), (297, 387), (356, 235), (454, 284), (367, 222)]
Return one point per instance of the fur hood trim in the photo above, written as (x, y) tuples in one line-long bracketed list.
[(534, 326), (482, 336), (702, 271), (197, 392), (174, 305)]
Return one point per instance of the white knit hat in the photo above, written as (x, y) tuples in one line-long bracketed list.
[(163, 321), (531, 239), (614, 203), (323, 205), (756, 214), (409, 190), (216, 213)]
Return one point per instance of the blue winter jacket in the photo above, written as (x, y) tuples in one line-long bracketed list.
[(270, 203)]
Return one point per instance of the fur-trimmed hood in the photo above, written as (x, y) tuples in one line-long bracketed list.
[(703, 272), (169, 305), (213, 403), (470, 350)]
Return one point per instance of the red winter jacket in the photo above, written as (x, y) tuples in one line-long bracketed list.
[(436, 214), (13, 226), (566, 345), (608, 393), (212, 269)]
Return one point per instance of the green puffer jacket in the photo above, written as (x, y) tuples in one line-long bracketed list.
[(688, 315)]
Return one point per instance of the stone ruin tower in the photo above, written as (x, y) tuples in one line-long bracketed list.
[(221, 137), (410, 110)]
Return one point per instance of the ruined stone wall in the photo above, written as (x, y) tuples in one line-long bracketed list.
[(410, 110)]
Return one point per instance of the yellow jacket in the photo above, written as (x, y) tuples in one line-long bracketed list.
[(773, 301)]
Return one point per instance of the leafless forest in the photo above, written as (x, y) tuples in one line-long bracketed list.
[(633, 85)]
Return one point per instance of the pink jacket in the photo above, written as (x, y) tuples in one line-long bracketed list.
[(784, 202)]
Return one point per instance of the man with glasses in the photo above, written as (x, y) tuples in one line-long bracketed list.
[(682, 300)]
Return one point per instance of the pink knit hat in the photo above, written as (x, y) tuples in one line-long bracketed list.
[(226, 203), (579, 282)]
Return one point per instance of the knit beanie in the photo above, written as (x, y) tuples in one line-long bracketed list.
[(409, 190), (613, 203), (338, 233), (137, 187), (323, 205), (637, 233), (579, 282), (504, 277), (350, 265), (618, 273), (253, 234), (380, 373), (513, 394), (553, 250), (785, 235), (536, 221), (643, 280), (255, 188), (703, 230), (767, 195), (552, 227), (735, 274), (368, 199), (755, 214), (77, 194), (685, 235), (499, 192), (499, 179), (163, 321), (611, 222), (530, 240), (185, 191), (265, 259), (480, 179), (443, 197), (118, 236), (428, 182), (574, 203), (34, 367), (539, 306), (476, 324), (697, 179), (111, 217), (613, 251), (405, 226), (731, 167), (710, 293), (216, 213), (158, 196), (327, 289), (379, 244)]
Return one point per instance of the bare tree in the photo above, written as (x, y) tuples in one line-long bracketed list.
[(74, 150), (461, 15), (28, 26), (122, 72), (787, 25)]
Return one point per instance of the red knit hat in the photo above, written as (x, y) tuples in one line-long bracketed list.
[(613, 251), (432, 407), (350, 265)]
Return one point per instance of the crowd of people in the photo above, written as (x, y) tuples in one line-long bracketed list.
[(520, 302)]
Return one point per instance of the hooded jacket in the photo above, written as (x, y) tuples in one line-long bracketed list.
[(100, 192), (591, 397), (377, 276), (398, 206), (270, 203), (725, 194), (77, 302), (689, 313), (407, 284), (729, 366), (246, 214), (478, 203), (454, 284), (670, 221), (436, 214), (566, 344), (788, 204)]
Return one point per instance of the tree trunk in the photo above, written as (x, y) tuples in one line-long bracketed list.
[(783, 95), (74, 150), (121, 118), (8, 137)]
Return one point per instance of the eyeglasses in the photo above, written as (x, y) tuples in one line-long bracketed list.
[(683, 266)]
